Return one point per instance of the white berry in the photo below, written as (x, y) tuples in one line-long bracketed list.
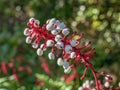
[(39, 52), (51, 56), (80, 88), (73, 43), (49, 43), (72, 55), (61, 26), (58, 38), (26, 32), (87, 83), (47, 21), (57, 22), (67, 70), (107, 77), (65, 31), (65, 64), (28, 40), (107, 84), (50, 27), (31, 20), (54, 32), (119, 84), (59, 45), (41, 46), (68, 48), (84, 85), (60, 61), (35, 45), (37, 22), (52, 21)]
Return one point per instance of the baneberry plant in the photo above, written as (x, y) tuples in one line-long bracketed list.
[(55, 35), (107, 85)]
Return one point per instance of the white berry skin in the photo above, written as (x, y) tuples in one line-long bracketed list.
[(49, 43), (59, 30), (26, 33), (57, 22), (68, 48), (106, 84), (60, 62), (59, 45), (50, 27), (47, 21), (54, 32), (52, 21), (84, 85), (28, 40), (51, 56), (31, 20), (67, 70), (37, 22), (65, 31), (73, 43), (87, 83), (41, 46), (107, 77), (61, 26), (39, 52), (72, 55), (80, 88), (35, 45), (58, 38), (91, 82), (65, 64), (119, 84)]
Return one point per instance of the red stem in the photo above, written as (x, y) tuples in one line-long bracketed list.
[(84, 74), (95, 76)]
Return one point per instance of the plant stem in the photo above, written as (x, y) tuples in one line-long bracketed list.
[(95, 76)]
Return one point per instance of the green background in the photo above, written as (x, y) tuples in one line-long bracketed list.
[(98, 19)]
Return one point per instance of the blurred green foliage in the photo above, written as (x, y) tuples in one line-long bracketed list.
[(98, 19)]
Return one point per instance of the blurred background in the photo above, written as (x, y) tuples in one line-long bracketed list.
[(22, 69)]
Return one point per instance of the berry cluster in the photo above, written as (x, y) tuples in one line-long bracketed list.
[(55, 35), (87, 85), (107, 85)]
